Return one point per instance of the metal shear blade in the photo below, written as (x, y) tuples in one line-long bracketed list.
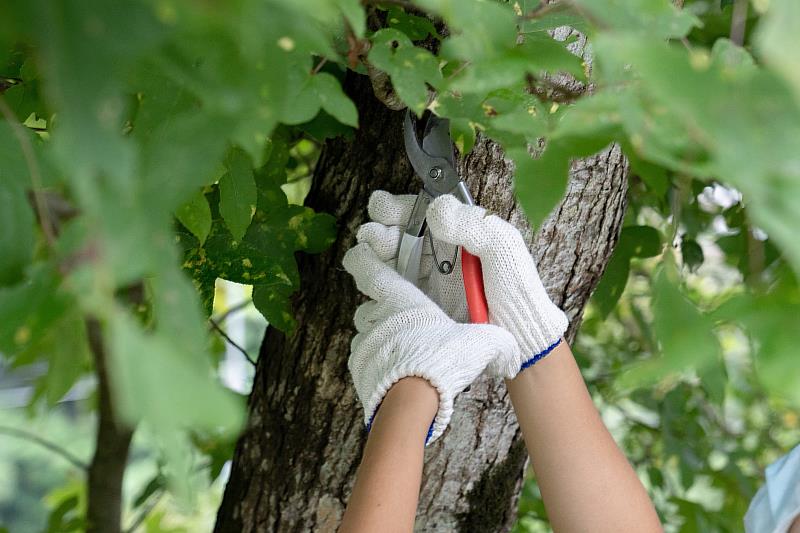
[(433, 161)]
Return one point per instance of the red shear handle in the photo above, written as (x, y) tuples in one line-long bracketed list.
[(473, 288)]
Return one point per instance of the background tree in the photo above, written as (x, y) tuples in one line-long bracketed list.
[(144, 144)]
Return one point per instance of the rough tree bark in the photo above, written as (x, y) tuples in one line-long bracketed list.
[(293, 469)]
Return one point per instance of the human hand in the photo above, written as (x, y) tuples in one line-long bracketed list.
[(402, 332), (515, 295)]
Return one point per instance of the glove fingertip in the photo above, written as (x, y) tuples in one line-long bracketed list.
[(390, 209)]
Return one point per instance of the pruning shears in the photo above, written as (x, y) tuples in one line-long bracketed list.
[(433, 160)]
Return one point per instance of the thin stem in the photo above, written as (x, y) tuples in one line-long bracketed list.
[(234, 309), (739, 22), (44, 443), (458, 69), (33, 171), (225, 336), (319, 66)]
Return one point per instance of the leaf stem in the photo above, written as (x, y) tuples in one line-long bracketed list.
[(321, 64)]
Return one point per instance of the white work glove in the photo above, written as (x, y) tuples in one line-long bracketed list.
[(515, 295), (390, 214), (402, 333)]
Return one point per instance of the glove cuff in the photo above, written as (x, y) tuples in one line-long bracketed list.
[(538, 331), (443, 413)]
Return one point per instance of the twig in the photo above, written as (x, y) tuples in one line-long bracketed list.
[(146, 509), (321, 64), (234, 309), (225, 336), (53, 447), (739, 21), (755, 258), (33, 170)]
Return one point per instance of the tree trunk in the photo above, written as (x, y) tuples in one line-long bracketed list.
[(294, 467)]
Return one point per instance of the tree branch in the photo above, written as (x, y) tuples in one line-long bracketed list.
[(233, 343), (739, 21), (111, 450), (44, 443)]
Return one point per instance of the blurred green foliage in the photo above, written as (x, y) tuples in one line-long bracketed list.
[(154, 146)]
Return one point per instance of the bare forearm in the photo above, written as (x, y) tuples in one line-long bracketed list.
[(587, 483), (387, 484)]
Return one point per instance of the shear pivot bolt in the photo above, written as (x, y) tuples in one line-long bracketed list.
[(435, 173)]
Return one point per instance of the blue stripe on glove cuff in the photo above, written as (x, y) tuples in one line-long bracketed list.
[(539, 356)]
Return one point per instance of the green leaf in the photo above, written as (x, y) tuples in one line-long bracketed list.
[(540, 183), (264, 257), (315, 92), (408, 66), (273, 303), (416, 28), (684, 333), (237, 194), (654, 19), (83, 48), (17, 237), (685, 112), (65, 348), (333, 100), (692, 253), (777, 40), (771, 321), (353, 12), (218, 448), (156, 484), (565, 16), (195, 215), (479, 29), (29, 309), (537, 55), (463, 134), (634, 241), (157, 380), (324, 126)]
